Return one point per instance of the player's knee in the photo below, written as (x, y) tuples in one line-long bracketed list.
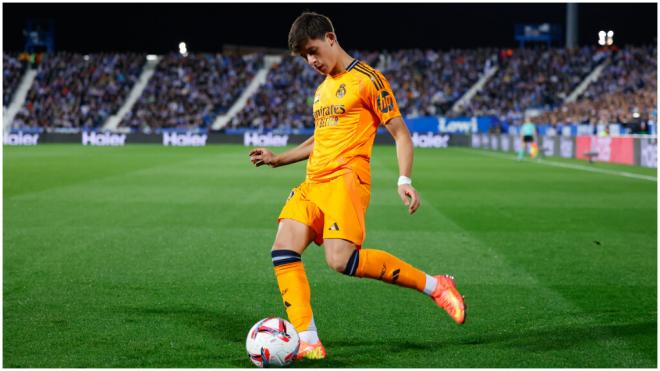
[(336, 263), (343, 262), (278, 245)]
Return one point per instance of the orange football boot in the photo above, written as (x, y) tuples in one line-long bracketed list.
[(311, 351), (449, 299)]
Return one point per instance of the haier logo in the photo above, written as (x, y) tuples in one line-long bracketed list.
[(270, 140), (430, 141), (457, 126), (20, 139), (105, 139), (192, 140)]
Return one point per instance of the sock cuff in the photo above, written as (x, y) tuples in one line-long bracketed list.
[(352, 264), (280, 257), (430, 285)]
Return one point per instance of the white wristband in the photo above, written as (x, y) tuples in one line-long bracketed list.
[(404, 180)]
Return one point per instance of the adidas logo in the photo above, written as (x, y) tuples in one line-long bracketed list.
[(395, 275), (334, 227)]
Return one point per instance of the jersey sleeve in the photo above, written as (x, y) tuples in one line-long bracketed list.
[(380, 98)]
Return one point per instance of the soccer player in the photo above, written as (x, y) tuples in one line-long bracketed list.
[(528, 140), (330, 205)]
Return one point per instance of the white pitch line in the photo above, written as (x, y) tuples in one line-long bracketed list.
[(571, 166), (603, 171)]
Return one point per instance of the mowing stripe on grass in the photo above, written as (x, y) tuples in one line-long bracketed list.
[(484, 257)]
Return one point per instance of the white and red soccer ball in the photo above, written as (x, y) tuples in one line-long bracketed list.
[(272, 342)]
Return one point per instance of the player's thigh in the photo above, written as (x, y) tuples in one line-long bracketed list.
[(337, 252), (293, 235)]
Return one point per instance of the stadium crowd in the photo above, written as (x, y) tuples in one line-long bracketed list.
[(625, 92), (12, 71), (532, 78), (188, 92), (425, 83), (429, 82), (78, 91), (284, 101)]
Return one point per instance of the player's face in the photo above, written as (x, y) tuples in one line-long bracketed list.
[(319, 54)]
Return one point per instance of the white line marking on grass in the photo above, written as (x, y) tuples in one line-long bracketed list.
[(594, 170), (488, 257), (570, 166)]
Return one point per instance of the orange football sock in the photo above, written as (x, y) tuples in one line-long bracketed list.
[(380, 265), (294, 287)]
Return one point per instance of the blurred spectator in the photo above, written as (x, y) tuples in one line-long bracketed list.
[(428, 82), (532, 78), (625, 93), (424, 82), (284, 101), (188, 92), (78, 91), (12, 71)]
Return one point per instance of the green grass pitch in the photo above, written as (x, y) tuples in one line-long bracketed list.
[(151, 256)]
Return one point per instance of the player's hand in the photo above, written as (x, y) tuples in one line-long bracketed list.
[(409, 197), (262, 156)]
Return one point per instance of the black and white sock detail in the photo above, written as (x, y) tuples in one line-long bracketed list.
[(284, 257), (351, 266)]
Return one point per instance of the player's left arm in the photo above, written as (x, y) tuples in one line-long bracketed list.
[(404, 153)]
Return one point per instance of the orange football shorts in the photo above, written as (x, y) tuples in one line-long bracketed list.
[(333, 209)]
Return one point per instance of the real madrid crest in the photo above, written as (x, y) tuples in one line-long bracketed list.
[(341, 91)]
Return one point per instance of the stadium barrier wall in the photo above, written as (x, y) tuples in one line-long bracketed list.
[(628, 150), (187, 139), (420, 124)]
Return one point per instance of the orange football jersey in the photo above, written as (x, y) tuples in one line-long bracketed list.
[(348, 108)]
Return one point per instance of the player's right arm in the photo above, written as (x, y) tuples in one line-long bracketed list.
[(264, 156)]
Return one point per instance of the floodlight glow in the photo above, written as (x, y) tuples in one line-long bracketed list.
[(182, 45), (86, 57), (610, 33), (601, 34), (601, 42), (151, 57)]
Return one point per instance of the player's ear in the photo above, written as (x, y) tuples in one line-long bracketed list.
[(331, 38)]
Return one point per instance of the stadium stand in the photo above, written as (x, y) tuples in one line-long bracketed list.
[(532, 78), (284, 101), (625, 92), (428, 82), (78, 91), (12, 70), (425, 83), (187, 92)]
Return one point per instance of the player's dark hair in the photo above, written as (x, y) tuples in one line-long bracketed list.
[(308, 26)]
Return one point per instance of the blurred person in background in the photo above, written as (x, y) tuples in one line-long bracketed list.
[(528, 139)]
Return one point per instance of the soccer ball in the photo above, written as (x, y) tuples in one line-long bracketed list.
[(272, 342)]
